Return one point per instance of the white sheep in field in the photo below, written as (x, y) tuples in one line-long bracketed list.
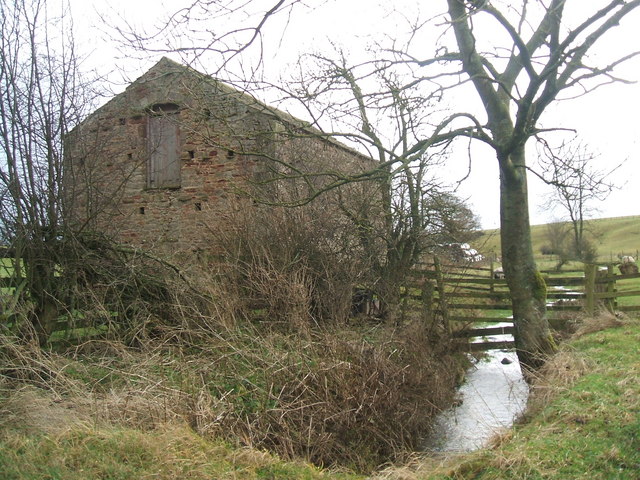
[(626, 259), (498, 273)]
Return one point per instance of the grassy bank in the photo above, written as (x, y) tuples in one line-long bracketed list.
[(584, 423), (208, 403), (84, 453), (584, 420)]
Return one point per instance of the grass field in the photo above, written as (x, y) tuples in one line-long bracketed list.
[(613, 236)]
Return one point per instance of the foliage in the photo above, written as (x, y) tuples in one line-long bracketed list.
[(450, 220)]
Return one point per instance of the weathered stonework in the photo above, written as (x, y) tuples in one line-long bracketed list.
[(224, 141)]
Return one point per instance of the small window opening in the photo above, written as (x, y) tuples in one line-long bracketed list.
[(165, 108), (192, 154), (198, 206), (141, 210)]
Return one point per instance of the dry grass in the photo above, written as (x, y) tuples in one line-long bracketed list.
[(256, 349), (37, 411), (602, 321), (558, 374), (335, 398)]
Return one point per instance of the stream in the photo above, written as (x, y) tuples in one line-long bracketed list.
[(492, 397)]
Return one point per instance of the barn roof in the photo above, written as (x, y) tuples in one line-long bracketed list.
[(165, 67)]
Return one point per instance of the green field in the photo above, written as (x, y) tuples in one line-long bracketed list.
[(613, 236)]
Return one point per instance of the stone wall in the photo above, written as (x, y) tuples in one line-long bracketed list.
[(226, 142)]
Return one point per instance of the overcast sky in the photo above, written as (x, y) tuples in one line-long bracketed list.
[(605, 119)]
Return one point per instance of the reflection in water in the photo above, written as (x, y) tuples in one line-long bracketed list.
[(493, 396)]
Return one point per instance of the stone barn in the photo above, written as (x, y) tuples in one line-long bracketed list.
[(162, 163)]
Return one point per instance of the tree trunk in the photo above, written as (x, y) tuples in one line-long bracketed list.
[(534, 342), (44, 319), (392, 278), (40, 270)]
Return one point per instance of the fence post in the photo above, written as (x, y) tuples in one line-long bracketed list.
[(612, 302), (589, 288), (427, 303), (491, 270), (441, 295)]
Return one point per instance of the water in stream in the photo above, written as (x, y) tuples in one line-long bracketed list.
[(493, 395)]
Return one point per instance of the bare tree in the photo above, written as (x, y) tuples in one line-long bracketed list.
[(577, 185), (371, 107), (189, 31), (518, 59), (41, 96), (405, 207), (543, 58)]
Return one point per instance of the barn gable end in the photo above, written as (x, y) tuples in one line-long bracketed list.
[(162, 164)]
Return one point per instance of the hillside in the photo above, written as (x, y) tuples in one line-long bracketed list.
[(613, 236)]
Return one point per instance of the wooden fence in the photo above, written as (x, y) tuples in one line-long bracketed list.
[(460, 296)]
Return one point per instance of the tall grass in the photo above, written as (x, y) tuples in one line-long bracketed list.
[(256, 349), (354, 398)]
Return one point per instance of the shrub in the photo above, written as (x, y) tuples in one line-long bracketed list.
[(296, 268), (340, 399), (547, 250), (355, 398)]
